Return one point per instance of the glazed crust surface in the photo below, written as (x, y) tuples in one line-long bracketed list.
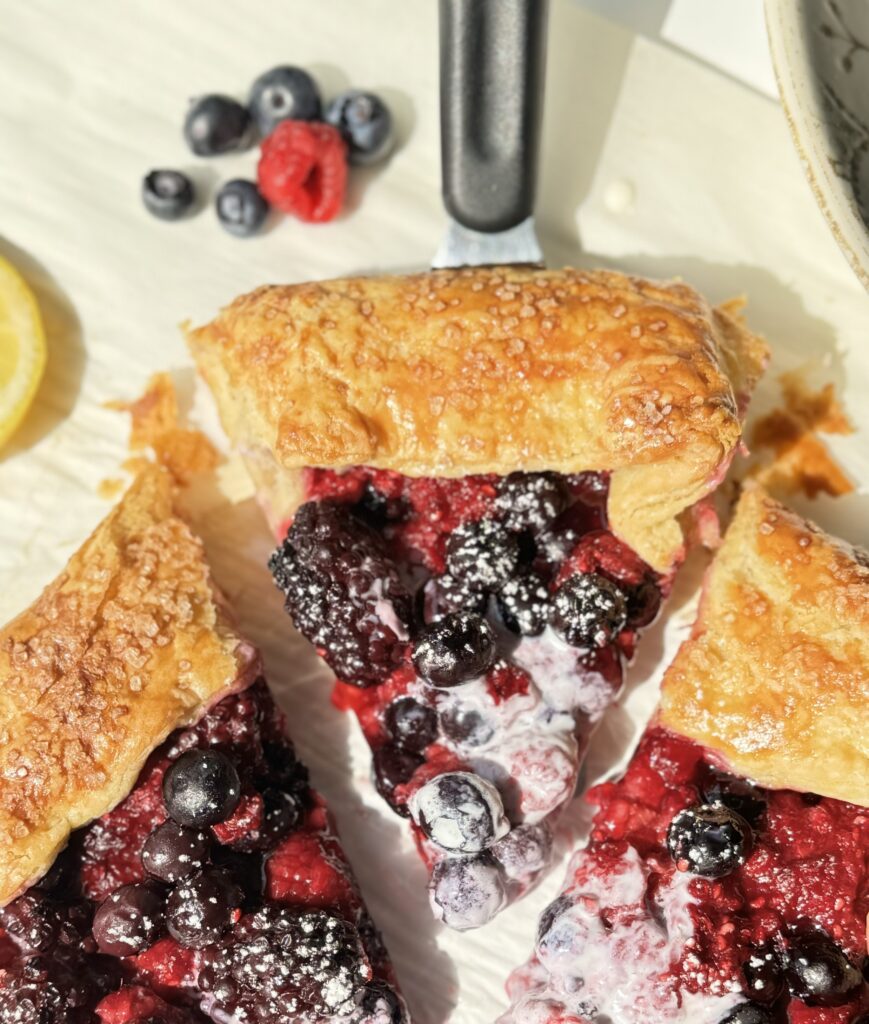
[(775, 678), (491, 370), (127, 644)]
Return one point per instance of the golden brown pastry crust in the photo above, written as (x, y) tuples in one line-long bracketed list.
[(127, 644), (776, 676), (491, 370)]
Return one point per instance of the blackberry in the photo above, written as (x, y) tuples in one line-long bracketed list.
[(454, 649), (441, 595), (818, 972), (33, 921), (343, 592), (709, 840), (53, 990), (413, 726), (737, 794), (530, 501), (459, 812), (484, 554), (524, 604), (282, 964), (392, 767), (588, 610)]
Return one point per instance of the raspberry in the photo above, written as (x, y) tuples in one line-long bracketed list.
[(303, 170)]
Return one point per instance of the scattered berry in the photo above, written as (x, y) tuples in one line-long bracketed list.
[(303, 170), (283, 964), (380, 1004), (32, 920), (643, 603), (484, 554), (216, 124), (737, 794), (708, 840), (466, 892), (588, 611), (281, 94), (413, 726), (240, 208), (393, 767), (524, 852), (365, 124), (763, 974), (465, 725), (818, 972), (523, 602), (172, 851), (459, 812), (441, 595), (343, 592), (748, 1013), (130, 920), (457, 647), (167, 194), (530, 501), (199, 909), (201, 788)]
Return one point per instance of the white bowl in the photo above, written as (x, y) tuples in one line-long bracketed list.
[(820, 49)]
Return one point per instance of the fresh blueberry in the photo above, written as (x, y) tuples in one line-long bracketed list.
[(365, 122), (466, 892), (167, 194), (530, 501), (172, 851), (199, 909), (818, 972), (454, 649), (241, 208), (216, 124), (130, 920), (709, 840), (484, 554), (588, 610), (523, 602), (281, 94), (201, 788), (459, 812), (748, 1013), (412, 725)]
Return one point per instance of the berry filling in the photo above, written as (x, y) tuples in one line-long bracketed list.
[(217, 889), (702, 898), (478, 628)]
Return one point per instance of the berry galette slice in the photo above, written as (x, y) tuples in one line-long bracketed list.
[(704, 896), (480, 481), (163, 857)]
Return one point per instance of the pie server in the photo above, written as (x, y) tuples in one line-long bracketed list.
[(492, 61)]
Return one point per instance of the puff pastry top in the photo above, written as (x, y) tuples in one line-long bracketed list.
[(127, 644), (491, 370), (776, 675)]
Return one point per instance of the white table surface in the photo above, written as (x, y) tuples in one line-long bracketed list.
[(651, 160)]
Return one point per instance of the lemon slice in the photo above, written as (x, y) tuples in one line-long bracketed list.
[(22, 349)]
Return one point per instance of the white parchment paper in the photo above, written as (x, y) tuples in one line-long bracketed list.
[(651, 162)]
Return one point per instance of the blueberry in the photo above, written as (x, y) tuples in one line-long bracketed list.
[(412, 725), (393, 767), (201, 788), (172, 851), (365, 123), (199, 909), (466, 892), (748, 1013), (484, 554), (130, 920), (524, 604), (216, 124), (709, 840), (524, 852), (643, 604), (454, 649), (380, 1004), (377, 509), (459, 812), (588, 610), (167, 194), (737, 794), (818, 972), (241, 209), (465, 725), (283, 93), (763, 974), (530, 501)]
